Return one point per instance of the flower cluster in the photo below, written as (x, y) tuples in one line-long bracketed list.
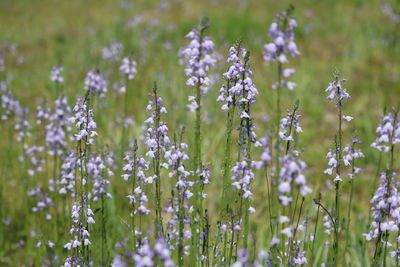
[(337, 91), (58, 126), (289, 125), (266, 156), (84, 121), (332, 157), (96, 83), (80, 218), (42, 114), (128, 68), (156, 136), (351, 153), (176, 158), (386, 207), (242, 176), (68, 175), (135, 168), (10, 105), (99, 169), (44, 201), (232, 76), (388, 132), (283, 44), (33, 155), (198, 59), (146, 256), (55, 74), (112, 52), (291, 172)]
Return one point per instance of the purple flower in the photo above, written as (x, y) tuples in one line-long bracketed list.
[(84, 121), (58, 126), (385, 207), (55, 74), (336, 91), (96, 83), (388, 132), (128, 67), (292, 173), (198, 58), (282, 45)]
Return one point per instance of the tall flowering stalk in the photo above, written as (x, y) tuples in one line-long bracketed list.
[(157, 142), (179, 204), (198, 59), (83, 118), (134, 169), (278, 50), (386, 201), (337, 93), (242, 173), (350, 154), (228, 98), (291, 187), (100, 170)]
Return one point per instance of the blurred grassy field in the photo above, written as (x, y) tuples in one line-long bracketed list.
[(352, 36)]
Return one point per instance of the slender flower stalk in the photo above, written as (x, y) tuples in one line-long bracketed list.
[(232, 76), (198, 59), (83, 118), (179, 203), (157, 142), (386, 201), (245, 93), (282, 45), (134, 169), (351, 154), (337, 93)]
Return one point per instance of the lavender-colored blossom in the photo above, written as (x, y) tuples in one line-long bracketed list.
[(350, 154), (44, 202), (96, 83), (135, 168), (55, 74), (112, 52), (176, 157), (332, 163), (283, 45), (82, 217), (232, 76), (84, 121), (156, 135), (128, 67), (42, 114), (68, 174), (388, 132), (9, 103), (146, 256), (242, 176), (336, 91), (266, 157), (58, 126), (292, 173), (289, 125), (198, 58), (99, 170), (33, 156), (385, 207)]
